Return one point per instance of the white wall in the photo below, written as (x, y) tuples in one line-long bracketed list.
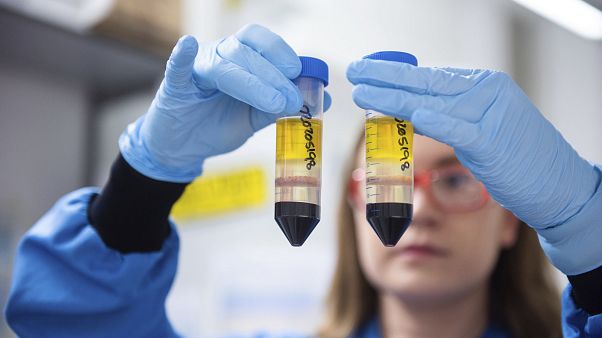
[(562, 74), (43, 144)]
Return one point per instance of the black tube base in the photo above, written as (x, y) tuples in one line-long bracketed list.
[(389, 220), (297, 220)]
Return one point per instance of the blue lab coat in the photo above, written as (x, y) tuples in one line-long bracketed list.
[(68, 283)]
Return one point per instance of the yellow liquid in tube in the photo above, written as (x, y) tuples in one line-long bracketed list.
[(389, 160), (298, 159)]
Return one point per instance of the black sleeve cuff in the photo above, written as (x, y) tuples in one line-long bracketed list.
[(587, 291), (131, 213)]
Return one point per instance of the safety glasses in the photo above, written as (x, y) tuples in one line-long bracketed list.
[(451, 188)]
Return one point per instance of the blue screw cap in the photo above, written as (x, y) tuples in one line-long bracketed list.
[(313, 67)]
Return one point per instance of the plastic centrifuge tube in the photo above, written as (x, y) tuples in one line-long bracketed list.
[(389, 167), (299, 156)]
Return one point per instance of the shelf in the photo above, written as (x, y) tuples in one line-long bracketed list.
[(107, 67)]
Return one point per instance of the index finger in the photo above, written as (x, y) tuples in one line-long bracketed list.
[(272, 47), (419, 80)]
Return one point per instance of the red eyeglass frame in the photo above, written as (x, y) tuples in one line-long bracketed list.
[(423, 179)]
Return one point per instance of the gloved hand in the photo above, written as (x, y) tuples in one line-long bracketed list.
[(497, 133), (211, 102)]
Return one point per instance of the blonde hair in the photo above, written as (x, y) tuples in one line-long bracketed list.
[(524, 299)]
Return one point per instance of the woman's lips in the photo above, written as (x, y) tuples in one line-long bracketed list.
[(419, 251)]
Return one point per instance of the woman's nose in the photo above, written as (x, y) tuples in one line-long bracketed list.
[(424, 213)]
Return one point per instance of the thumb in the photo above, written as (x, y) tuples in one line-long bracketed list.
[(178, 71), (327, 101)]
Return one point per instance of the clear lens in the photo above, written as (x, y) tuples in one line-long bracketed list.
[(457, 190), (453, 189)]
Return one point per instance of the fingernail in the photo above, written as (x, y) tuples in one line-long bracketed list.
[(355, 67), (291, 71), (351, 71), (188, 42)]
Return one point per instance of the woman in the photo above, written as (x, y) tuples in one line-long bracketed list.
[(465, 263), (101, 264)]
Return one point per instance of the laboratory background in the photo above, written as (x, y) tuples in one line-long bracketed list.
[(74, 73)]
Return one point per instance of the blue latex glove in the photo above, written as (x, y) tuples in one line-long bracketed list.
[(499, 135), (212, 99)]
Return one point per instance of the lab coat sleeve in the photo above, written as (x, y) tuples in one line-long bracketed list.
[(68, 283), (576, 322)]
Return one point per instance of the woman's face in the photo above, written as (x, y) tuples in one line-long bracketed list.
[(443, 253)]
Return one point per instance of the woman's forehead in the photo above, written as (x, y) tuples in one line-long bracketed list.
[(429, 153)]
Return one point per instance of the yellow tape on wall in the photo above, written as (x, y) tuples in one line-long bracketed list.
[(229, 191)]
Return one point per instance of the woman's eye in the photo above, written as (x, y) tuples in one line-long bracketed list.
[(455, 181)]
